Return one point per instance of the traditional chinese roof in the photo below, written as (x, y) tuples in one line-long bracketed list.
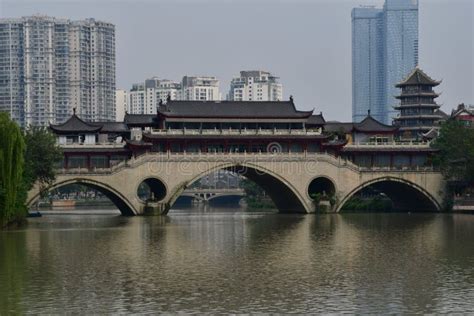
[(232, 109), (316, 120), (431, 134), (137, 143), (441, 114), (418, 77), (139, 119), (112, 127), (73, 125), (336, 127), (369, 124), (462, 109)]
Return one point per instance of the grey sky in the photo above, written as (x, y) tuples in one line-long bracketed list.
[(306, 43)]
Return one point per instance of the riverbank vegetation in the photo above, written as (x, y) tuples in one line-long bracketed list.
[(12, 189), (373, 204), (455, 158), (255, 196), (26, 157)]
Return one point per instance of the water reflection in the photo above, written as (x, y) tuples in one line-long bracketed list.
[(239, 262)]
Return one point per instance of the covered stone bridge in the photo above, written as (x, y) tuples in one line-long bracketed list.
[(288, 178)]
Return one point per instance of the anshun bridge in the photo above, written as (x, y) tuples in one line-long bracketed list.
[(291, 154)]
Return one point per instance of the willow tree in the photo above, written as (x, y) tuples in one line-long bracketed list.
[(12, 149)]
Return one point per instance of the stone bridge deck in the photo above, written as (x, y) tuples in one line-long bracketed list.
[(288, 178)]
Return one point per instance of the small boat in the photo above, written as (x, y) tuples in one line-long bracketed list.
[(34, 214)]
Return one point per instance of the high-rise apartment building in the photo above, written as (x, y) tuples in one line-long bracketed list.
[(384, 51), (121, 104), (200, 89), (50, 66), (145, 97), (255, 85)]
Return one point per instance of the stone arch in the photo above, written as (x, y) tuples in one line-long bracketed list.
[(121, 202), (285, 196), (157, 186), (406, 195)]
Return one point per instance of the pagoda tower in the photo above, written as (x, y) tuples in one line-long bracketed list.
[(418, 109)]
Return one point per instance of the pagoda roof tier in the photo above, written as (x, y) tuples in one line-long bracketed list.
[(75, 125), (418, 116), (417, 105), (415, 128), (418, 77), (232, 109), (420, 94)]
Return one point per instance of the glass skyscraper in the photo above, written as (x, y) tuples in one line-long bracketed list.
[(384, 51)]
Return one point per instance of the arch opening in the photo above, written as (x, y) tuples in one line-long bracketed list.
[(389, 195), (321, 186), (151, 189), (115, 198), (279, 193)]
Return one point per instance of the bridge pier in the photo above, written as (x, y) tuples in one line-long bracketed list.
[(155, 209)]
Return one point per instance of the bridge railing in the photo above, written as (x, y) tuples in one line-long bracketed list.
[(244, 157), (230, 131), (394, 144)]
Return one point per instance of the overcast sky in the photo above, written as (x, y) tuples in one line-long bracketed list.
[(306, 43)]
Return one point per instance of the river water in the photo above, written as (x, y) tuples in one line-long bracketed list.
[(233, 261)]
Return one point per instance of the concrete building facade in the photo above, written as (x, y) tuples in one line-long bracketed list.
[(50, 66), (201, 88), (255, 85), (121, 104), (145, 97)]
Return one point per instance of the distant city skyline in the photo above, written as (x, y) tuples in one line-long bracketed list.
[(309, 47)]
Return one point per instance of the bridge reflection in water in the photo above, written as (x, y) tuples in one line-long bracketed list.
[(359, 264)]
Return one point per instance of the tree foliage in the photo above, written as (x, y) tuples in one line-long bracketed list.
[(12, 148), (42, 155), (456, 151), (25, 159), (255, 195)]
